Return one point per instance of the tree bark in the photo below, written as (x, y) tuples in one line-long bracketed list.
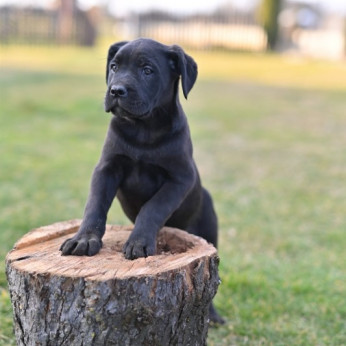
[(106, 299)]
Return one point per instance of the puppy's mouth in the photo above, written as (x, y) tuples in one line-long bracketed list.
[(124, 109)]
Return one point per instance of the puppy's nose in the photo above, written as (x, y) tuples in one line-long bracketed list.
[(118, 91)]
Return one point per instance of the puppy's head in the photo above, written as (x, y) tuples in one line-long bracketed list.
[(143, 75)]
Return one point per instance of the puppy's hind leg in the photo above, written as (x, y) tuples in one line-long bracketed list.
[(206, 227)]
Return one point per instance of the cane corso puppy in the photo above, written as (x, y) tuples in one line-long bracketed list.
[(147, 157)]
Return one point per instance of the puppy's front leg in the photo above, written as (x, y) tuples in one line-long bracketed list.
[(87, 241), (152, 217)]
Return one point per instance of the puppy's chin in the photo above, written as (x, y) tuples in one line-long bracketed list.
[(119, 112), (108, 105)]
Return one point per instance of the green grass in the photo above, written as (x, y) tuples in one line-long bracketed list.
[(269, 139)]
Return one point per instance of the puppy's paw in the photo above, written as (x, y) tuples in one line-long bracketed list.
[(214, 318), (136, 248), (81, 245)]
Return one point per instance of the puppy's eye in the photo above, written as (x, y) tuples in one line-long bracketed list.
[(147, 71), (114, 67)]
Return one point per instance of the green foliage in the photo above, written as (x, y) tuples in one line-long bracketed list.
[(270, 148)]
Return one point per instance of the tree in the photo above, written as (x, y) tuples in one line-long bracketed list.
[(268, 16)]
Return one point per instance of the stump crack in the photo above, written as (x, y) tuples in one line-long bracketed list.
[(19, 323), (23, 258), (65, 337)]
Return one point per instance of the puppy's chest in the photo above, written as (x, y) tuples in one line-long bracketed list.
[(142, 178)]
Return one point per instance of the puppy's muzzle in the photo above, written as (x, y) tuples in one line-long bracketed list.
[(115, 93), (118, 102)]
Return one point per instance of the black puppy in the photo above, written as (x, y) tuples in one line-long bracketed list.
[(147, 156)]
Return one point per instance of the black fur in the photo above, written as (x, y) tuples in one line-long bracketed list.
[(147, 157)]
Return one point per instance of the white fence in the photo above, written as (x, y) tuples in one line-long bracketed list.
[(322, 44)]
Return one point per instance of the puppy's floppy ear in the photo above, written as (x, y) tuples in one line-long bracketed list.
[(185, 66), (111, 52)]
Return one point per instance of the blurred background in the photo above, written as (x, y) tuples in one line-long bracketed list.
[(267, 118), (313, 28)]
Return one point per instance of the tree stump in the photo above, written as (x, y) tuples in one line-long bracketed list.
[(106, 299)]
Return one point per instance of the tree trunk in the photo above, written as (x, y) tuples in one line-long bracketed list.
[(106, 299)]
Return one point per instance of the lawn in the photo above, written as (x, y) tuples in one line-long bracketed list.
[(269, 136)]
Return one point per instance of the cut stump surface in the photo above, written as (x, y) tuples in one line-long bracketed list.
[(106, 299)]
